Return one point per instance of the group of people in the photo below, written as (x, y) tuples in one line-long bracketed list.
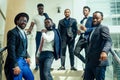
[(51, 43)]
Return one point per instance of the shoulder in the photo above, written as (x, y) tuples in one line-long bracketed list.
[(104, 28), (61, 20), (73, 19), (13, 31), (90, 18)]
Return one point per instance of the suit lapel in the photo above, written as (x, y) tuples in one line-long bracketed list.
[(21, 36)]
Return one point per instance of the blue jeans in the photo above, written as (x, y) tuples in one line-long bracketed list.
[(37, 39), (97, 73), (45, 61)]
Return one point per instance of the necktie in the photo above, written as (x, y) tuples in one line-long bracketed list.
[(83, 20)]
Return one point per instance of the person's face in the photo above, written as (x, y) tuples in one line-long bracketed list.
[(48, 24), (86, 12), (40, 9), (22, 22), (67, 13), (97, 18)]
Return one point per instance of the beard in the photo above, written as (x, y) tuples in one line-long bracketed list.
[(49, 28), (95, 25)]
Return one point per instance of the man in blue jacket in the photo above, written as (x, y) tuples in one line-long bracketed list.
[(82, 42), (68, 31)]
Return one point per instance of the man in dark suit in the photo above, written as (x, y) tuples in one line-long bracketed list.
[(18, 60), (82, 42), (99, 45), (68, 32)]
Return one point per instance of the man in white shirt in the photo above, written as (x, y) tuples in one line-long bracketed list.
[(47, 49), (39, 21)]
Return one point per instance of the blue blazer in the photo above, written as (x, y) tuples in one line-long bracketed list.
[(46, 15), (100, 42), (57, 44), (88, 25), (64, 29)]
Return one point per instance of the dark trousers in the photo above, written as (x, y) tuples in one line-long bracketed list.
[(37, 39), (97, 73), (70, 43), (45, 61), (81, 44), (26, 73)]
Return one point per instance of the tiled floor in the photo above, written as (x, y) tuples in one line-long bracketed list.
[(59, 75), (68, 74)]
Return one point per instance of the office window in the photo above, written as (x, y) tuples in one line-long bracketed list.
[(115, 12), (116, 40)]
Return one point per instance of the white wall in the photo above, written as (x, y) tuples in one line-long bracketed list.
[(51, 9), (76, 12), (76, 7)]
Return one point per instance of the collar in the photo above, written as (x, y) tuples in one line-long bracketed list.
[(21, 30), (67, 18)]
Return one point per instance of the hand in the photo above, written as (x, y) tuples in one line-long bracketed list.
[(16, 70), (103, 56), (28, 31), (83, 28), (28, 60), (44, 30), (78, 32)]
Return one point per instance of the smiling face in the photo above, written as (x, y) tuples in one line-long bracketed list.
[(22, 22), (67, 13), (97, 19)]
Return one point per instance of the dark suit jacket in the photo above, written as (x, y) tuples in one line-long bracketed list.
[(46, 15), (88, 25), (70, 30), (15, 48), (57, 44), (100, 42)]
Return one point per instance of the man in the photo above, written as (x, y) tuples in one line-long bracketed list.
[(50, 48), (82, 42), (68, 31), (39, 21), (99, 45), (18, 60)]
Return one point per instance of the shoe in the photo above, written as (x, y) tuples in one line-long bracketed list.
[(36, 68), (51, 69), (61, 68), (73, 68)]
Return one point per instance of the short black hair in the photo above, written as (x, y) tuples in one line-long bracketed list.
[(67, 9), (99, 12), (86, 7), (20, 15), (49, 19), (40, 4)]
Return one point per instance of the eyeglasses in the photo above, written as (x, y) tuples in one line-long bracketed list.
[(21, 21)]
